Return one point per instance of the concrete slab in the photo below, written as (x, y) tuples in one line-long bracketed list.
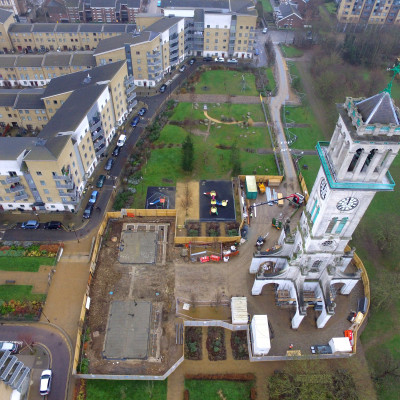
[(138, 247), (128, 330)]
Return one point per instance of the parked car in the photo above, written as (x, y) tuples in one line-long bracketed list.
[(192, 61), (45, 382), (121, 140), (232, 61), (54, 225), (219, 59), (9, 346), (100, 181), (182, 68), (31, 224), (109, 164), (265, 30), (142, 111), (163, 88), (93, 197), (135, 121), (207, 59), (256, 52), (116, 151), (88, 211)]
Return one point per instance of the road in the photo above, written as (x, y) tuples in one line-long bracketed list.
[(275, 105), (59, 360)]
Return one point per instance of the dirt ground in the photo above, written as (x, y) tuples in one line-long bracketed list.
[(187, 201), (150, 282)]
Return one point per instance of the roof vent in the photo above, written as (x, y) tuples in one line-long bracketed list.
[(87, 79), (40, 142)]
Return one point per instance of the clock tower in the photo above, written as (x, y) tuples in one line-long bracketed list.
[(354, 167)]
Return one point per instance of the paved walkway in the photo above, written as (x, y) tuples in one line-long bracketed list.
[(216, 98)]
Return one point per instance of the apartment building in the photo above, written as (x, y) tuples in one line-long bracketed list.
[(223, 28), (369, 12), (151, 54), (26, 38), (6, 19), (50, 172), (123, 11), (38, 70)]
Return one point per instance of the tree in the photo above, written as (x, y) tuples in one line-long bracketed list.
[(385, 290), (186, 201), (387, 235), (385, 365), (187, 154)]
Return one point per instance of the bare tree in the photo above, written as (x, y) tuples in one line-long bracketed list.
[(187, 200)]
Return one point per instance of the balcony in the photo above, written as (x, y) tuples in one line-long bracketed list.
[(131, 97), (129, 81), (66, 194), (69, 201), (21, 196), (153, 63), (154, 54), (97, 134), (155, 69), (16, 188), (101, 149), (132, 104), (13, 179), (95, 125), (130, 89), (67, 185)]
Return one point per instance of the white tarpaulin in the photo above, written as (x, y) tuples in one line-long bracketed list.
[(239, 310), (261, 343), (340, 345)]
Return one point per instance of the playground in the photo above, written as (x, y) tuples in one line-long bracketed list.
[(160, 197)]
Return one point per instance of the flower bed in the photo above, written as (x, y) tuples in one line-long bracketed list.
[(216, 344), (239, 345), (34, 250), (193, 343), (21, 309)]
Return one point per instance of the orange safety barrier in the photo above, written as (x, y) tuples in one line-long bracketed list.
[(204, 259)]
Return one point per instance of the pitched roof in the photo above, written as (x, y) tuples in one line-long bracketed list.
[(85, 59), (163, 24), (118, 42), (29, 61), (19, 28), (56, 59), (77, 80), (7, 60), (4, 15), (30, 99), (12, 147), (8, 97), (378, 109), (222, 5), (287, 9)]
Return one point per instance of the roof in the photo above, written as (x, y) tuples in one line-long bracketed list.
[(43, 27), (118, 42), (29, 61), (114, 28), (83, 59), (12, 147), (7, 60), (242, 7), (20, 28), (71, 3), (8, 97), (4, 15), (102, 3), (48, 149), (378, 109), (56, 59), (91, 28), (163, 24), (287, 9), (76, 107), (67, 28), (192, 4), (30, 99), (260, 333), (77, 80)]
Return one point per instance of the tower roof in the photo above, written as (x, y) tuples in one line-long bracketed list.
[(378, 109)]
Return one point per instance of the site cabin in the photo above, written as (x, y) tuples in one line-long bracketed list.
[(340, 345), (260, 341), (251, 187), (239, 310)]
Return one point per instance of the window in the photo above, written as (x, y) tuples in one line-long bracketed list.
[(331, 225), (49, 199), (315, 266), (39, 173), (341, 225), (43, 183), (46, 191)]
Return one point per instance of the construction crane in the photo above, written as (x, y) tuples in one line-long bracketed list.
[(296, 198)]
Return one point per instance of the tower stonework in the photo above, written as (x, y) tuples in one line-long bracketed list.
[(354, 167)]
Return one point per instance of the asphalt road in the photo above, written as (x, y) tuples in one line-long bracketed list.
[(59, 360)]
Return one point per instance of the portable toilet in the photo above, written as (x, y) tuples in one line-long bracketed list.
[(251, 187), (261, 344)]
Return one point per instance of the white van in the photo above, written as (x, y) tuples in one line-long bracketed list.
[(121, 140)]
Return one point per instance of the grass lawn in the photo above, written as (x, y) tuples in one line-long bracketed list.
[(210, 162), (290, 51), (226, 82), (307, 136), (236, 111), (267, 6), (217, 390), (186, 111), (28, 264), (309, 175), (270, 75), (19, 292), (132, 390)]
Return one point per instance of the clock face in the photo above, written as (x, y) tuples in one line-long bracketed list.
[(323, 188), (347, 204)]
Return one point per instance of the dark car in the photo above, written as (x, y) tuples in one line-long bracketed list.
[(192, 61), (88, 211), (208, 59), (135, 121), (116, 151), (54, 225), (163, 88), (109, 164), (100, 181), (142, 111)]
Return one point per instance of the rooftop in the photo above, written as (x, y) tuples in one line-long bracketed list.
[(4, 15), (118, 42), (29, 61), (12, 147), (7, 60), (220, 5), (30, 99), (70, 82), (56, 59), (8, 97), (163, 24)]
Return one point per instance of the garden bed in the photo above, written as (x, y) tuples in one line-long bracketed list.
[(193, 343), (216, 344), (239, 345)]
